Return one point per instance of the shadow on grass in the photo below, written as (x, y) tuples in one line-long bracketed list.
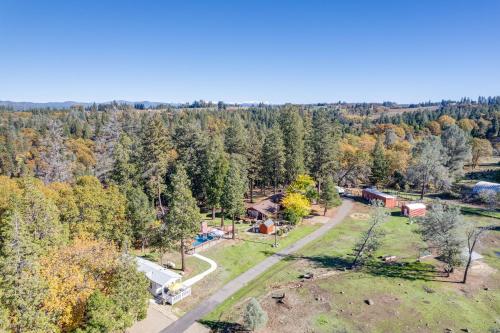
[(402, 270), (223, 326), (478, 211)]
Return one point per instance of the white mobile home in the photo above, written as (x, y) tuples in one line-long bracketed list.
[(160, 278)]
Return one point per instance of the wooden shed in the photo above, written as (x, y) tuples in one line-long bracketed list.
[(413, 209), (388, 200), (267, 227)]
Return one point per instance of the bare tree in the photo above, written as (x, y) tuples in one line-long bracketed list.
[(370, 240), (473, 235), (55, 158)]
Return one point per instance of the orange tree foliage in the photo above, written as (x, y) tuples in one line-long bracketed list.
[(434, 127), (446, 121), (72, 273)]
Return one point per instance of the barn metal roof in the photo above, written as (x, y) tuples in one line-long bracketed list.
[(481, 186), (380, 194), (415, 205)]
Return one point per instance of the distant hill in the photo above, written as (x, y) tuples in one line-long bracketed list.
[(21, 106)]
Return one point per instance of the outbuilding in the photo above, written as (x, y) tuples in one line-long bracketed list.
[(486, 186), (388, 200), (413, 209), (267, 227)]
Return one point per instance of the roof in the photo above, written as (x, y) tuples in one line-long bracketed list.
[(481, 186), (268, 222), (156, 273), (266, 207), (415, 205), (380, 194)]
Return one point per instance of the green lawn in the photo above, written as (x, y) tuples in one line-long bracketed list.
[(234, 257), (408, 297)]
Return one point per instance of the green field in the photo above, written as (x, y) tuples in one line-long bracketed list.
[(410, 297), (234, 257)]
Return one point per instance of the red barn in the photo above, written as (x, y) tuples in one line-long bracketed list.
[(413, 209), (374, 194), (266, 227)]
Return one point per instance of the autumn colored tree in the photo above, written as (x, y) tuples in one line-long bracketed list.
[(481, 148), (297, 206)]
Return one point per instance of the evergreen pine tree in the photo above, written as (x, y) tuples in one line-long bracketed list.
[(183, 217), (273, 158), (380, 167), (293, 140), (234, 190), (330, 196)]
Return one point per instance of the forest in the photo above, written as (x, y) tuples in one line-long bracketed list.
[(80, 187)]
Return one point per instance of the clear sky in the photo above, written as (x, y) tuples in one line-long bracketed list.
[(237, 51)]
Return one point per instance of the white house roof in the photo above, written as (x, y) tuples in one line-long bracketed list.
[(415, 205), (380, 194), (481, 186), (156, 273)]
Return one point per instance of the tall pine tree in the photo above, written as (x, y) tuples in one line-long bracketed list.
[(273, 158), (183, 217), (293, 139)]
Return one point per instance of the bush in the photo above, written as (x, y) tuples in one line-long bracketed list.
[(254, 317)]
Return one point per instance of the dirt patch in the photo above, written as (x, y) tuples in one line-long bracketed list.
[(360, 216)]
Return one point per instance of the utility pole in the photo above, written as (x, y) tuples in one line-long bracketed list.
[(276, 228)]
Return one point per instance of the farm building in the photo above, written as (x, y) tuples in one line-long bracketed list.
[(484, 186), (267, 227), (413, 209), (370, 194)]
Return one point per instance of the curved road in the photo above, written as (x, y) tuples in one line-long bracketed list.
[(233, 286)]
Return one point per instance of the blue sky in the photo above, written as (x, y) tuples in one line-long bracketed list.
[(237, 51)]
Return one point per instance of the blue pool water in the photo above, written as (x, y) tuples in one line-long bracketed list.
[(200, 239)]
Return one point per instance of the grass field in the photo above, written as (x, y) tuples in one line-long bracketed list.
[(410, 297), (234, 257)]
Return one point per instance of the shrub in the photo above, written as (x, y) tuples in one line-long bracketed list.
[(254, 317)]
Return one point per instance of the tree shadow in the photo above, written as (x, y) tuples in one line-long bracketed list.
[(223, 326), (403, 270)]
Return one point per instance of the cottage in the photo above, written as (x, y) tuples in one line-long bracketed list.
[(267, 227), (388, 200), (264, 209), (484, 186), (160, 278), (413, 209)]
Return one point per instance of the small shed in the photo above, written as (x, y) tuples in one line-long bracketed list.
[(388, 200), (267, 227), (484, 186), (413, 209)]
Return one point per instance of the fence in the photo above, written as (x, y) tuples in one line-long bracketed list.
[(174, 298)]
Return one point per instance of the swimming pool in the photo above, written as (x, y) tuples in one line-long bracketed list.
[(200, 239)]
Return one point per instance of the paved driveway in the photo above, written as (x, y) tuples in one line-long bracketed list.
[(207, 306), (158, 317)]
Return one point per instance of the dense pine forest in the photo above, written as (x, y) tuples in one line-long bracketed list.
[(81, 187)]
